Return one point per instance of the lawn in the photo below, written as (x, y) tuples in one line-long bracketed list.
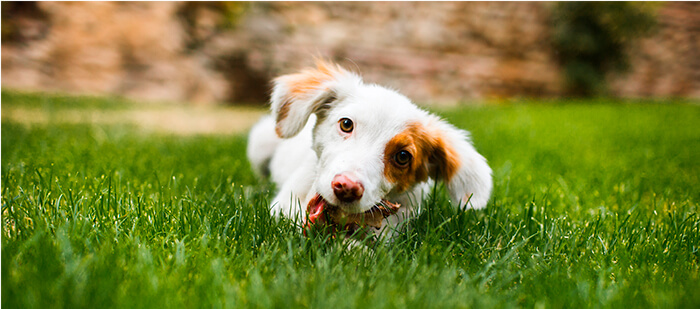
[(595, 204)]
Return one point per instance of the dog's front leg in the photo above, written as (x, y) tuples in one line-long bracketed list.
[(292, 198)]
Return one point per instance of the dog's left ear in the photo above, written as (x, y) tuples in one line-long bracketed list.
[(296, 96), (455, 161)]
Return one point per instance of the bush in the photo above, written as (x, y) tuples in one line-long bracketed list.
[(592, 39)]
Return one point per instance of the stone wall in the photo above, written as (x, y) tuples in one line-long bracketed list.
[(132, 49), (668, 63), (434, 52)]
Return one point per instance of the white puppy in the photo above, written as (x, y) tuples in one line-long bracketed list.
[(334, 141)]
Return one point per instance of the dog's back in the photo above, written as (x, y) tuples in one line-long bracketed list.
[(262, 143), (277, 158)]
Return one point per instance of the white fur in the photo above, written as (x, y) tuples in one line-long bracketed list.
[(312, 149)]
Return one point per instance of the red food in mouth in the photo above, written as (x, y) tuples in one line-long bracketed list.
[(322, 212)]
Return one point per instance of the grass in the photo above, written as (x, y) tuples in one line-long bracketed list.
[(594, 205)]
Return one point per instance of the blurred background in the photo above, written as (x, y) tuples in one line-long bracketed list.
[(434, 52)]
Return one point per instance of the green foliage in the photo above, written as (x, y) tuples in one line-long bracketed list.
[(227, 16), (592, 39), (593, 206), (18, 17)]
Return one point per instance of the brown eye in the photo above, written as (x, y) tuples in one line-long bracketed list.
[(402, 158), (346, 125)]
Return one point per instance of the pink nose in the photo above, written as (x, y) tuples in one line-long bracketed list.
[(347, 189)]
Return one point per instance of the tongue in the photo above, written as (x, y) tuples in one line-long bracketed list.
[(315, 208)]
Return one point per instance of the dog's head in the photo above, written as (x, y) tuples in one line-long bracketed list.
[(373, 143)]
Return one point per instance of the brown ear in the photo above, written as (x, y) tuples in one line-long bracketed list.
[(454, 160), (296, 96), (444, 160)]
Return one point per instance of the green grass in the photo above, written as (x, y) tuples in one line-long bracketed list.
[(594, 205)]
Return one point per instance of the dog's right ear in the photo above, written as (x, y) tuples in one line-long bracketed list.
[(296, 96)]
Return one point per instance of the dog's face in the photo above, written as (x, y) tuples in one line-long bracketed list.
[(364, 147), (373, 143)]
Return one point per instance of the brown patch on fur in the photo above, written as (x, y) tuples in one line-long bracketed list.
[(432, 156), (311, 79)]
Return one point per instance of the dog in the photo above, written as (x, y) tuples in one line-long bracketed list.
[(333, 141)]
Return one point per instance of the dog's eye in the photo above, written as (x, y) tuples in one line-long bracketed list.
[(402, 157), (346, 125)]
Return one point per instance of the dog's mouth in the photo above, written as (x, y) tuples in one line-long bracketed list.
[(321, 212)]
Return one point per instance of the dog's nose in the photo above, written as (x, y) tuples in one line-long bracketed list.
[(347, 189)]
